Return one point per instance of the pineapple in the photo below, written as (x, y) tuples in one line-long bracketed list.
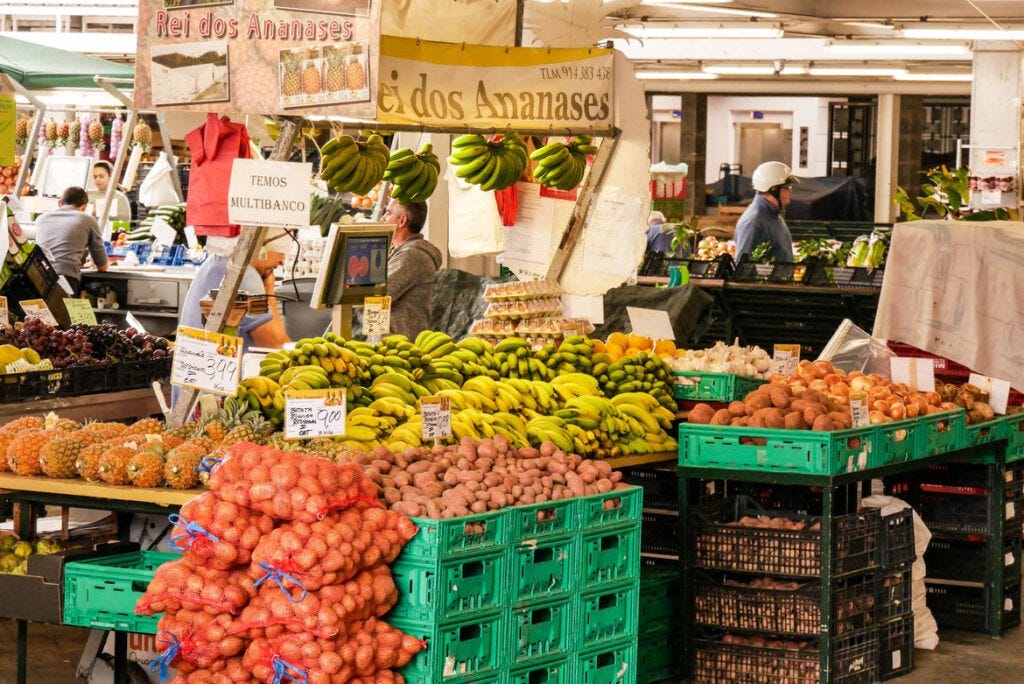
[(62, 133), (24, 423), (146, 426), (180, 468), (95, 133), (53, 422), (335, 72), (146, 468), (106, 430), (113, 465), (88, 462), (291, 82), (142, 135), (59, 456), (24, 450), (311, 79), (251, 428), (75, 133), (21, 129), (355, 72), (50, 132)]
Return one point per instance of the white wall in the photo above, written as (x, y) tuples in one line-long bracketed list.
[(726, 113)]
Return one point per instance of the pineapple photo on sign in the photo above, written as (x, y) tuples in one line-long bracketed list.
[(190, 73), (355, 8), (324, 75)]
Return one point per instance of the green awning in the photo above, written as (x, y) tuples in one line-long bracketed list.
[(38, 67)]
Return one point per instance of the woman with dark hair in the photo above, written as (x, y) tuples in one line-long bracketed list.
[(120, 208)]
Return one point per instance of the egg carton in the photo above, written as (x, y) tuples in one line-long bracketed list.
[(488, 328), (536, 308), (522, 291)]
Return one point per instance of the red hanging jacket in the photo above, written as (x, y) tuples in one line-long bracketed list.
[(214, 145)]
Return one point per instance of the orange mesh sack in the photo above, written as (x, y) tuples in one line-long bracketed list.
[(289, 486), (194, 639), (181, 585), (219, 534), (230, 671)]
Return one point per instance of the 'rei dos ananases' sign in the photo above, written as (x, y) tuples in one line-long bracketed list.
[(451, 84), (258, 56)]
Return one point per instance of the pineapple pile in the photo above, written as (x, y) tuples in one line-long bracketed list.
[(143, 454)]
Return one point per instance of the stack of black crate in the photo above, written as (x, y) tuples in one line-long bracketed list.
[(895, 595)]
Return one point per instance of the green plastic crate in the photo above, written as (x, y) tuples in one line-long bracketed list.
[(541, 630), (943, 432), (608, 613), (899, 441), (436, 590), (542, 520), (989, 431), (465, 534), (557, 671), (610, 663), (797, 451), (662, 658), (611, 508), (696, 386), (545, 568), (102, 592), (1014, 427), (660, 596), (458, 650), (609, 555)]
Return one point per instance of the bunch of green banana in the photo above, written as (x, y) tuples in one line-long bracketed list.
[(493, 165), (348, 165), (325, 210), (264, 395), (560, 165), (398, 386), (572, 355), (414, 174), (365, 428), (641, 373), (342, 366), (305, 378)]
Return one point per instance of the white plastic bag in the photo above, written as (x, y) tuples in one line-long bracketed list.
[(158, 187), (852, 348)]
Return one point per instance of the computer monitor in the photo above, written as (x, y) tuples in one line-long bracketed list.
[(354, 265)]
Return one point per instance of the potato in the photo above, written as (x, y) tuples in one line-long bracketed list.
[(779, 397), (738, 409), (794, 421), (823, 424), (721, 417), (758, 400)]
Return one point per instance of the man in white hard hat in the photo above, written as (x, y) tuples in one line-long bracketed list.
[(762, 221)]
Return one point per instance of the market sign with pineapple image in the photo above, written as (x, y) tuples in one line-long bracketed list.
[(259, 56)]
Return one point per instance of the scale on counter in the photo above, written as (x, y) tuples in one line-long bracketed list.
[(354, 266)]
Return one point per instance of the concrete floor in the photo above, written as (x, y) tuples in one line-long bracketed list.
[(961, 658)]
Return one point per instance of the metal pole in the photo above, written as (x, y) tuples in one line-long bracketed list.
[(37, 126)]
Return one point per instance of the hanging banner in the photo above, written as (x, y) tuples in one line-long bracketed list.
[(453, 84), (258, 56)]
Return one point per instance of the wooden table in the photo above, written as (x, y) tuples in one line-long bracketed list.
[(106, 406)]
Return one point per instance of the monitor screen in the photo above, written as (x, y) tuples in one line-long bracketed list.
[(366, 260)]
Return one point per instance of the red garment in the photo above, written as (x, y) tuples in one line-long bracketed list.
[(214, 145)]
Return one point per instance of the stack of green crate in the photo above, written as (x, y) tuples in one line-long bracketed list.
[(660, 637), (543, 593)]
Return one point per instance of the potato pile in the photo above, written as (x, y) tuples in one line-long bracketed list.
[(776, 523), (473, 476), (797, 665), (817, 397)]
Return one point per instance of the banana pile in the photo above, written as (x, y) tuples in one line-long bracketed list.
[(560, 165), (350, 165), (414, 174), (493, 165)]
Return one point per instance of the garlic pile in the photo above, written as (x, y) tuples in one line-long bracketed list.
[(752, 362), (305, 258)]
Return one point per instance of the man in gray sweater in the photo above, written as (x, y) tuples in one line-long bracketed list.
[(67, 234), (411, 268)]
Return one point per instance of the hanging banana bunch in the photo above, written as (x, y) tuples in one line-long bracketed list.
[(350, 165), (493, 165), (561, 165), (414, 174)]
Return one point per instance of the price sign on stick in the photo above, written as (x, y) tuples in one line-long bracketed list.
[(5, 320), (376, 316), (314, 413), (36, 308), (80, 310), (998, 391), (437, 417), (785, 359), (207, 361), (859, 410), (917, 374)]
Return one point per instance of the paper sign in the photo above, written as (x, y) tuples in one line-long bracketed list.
[(998, 391), (251, 364), (190, 237), (785, 359), (376, 316), (269, 193), (859, 410), (584, 306), (652, 323), (207, 361), (80, 310), (437, 417), (5, 318), (36, 308), (917, 374), (163, 233), (314, 413)]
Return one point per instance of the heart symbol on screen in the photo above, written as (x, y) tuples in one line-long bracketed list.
[(353, 266), (364, 266)]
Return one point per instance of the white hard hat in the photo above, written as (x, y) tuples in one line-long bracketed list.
[(768, 175)]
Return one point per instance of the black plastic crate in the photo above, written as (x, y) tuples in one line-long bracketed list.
[(963, 607), (855, 661), (896, 648), (898, 547), (660, 485), (793, 611), (15, 387), (659, 533), (967, 560), (846, 277), (965, 478), (721, 544), (774, 273), (658, 265), (895, 596), (964, 513)]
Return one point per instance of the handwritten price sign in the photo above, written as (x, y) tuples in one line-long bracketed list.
[(207, 361), (376, 316), (36, 308), (314, 413), (437, 417), (785, 359)]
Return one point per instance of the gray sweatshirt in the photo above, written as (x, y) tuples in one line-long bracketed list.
[(66, 235), (411, 269)]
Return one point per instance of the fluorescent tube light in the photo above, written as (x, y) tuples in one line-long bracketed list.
[(870, 25), (820, 71), (766, 70), (860, 48), (711, 9), (912, 76), (962, 34), (693, 32), (675, 76)]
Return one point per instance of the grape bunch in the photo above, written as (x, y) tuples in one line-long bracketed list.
[(85, 345), (64, 348), (111, 344)]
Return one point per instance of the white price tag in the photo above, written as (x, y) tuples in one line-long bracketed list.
[(1011, 510), (190, 237), (251, 363), (897, 660), (207, 361), (1008, 559), (859, 410), (785, 359), (652, 323), (917, 374), (437, 417), (5, 321), (36, 308), (163, 233), (315, 413), (376, 316), (998, 391)]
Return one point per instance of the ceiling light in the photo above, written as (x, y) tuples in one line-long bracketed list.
[(675, 76), (962, 34), (707, 9), (766, 70), (819, 71), (693, 32), (912, 76), (870, 25), (853, 47)]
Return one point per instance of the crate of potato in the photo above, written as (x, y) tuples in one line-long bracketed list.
[(740, 536), (712, 386)]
